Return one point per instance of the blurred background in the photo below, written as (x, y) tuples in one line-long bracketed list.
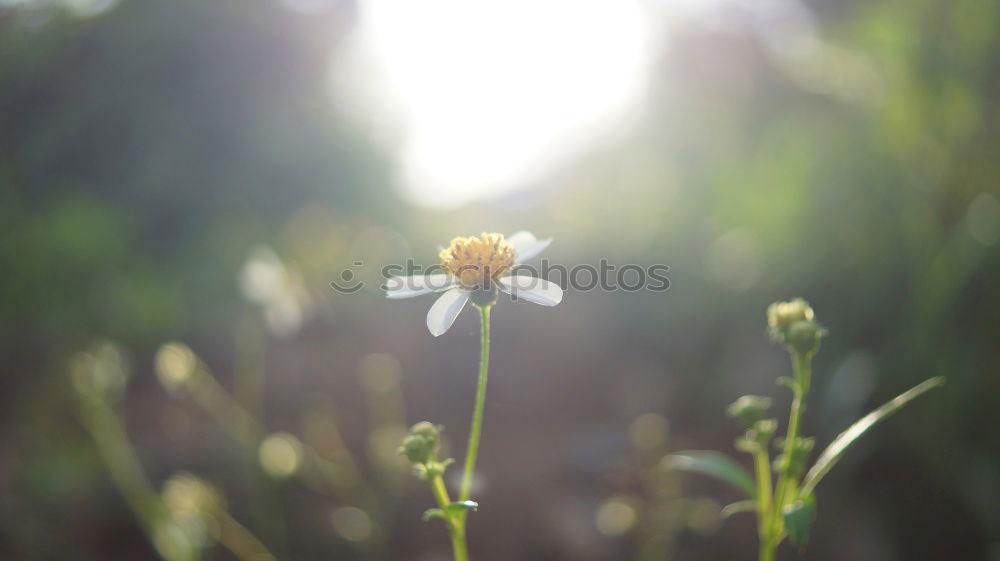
[(181, 181)]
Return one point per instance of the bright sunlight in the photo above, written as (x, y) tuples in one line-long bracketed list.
[(490, 95)]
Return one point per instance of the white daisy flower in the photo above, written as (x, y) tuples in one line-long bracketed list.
[(475, 267)]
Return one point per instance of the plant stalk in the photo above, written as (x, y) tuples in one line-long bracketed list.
[(762, 468), (455, 526), (802, 365), (767, 548), (477, 415)]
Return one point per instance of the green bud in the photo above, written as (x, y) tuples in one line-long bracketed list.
[(432, 469), (421, 443), (803, 337), (415, 449), (793, 458), (744, 444), (427, 430), (757, 437), (749, 409), (762, 431), (793, 324)]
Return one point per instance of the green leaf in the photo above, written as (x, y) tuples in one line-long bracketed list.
[(789, 383), (433, 513), (836, 449), (798, 518), (457, 507), (713, 464), (738, 507)]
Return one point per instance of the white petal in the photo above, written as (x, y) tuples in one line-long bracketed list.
[(527, 246), (444, 311), (532, 289), (408, 287)]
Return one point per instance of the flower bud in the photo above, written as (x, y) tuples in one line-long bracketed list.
[(781, 315), (432, 469), (803, 337), (749, 409), (422, 443), (792, 324), (793, 458), (757, 437), (762, 431)]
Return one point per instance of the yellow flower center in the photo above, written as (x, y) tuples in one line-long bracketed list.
[(478, 261)]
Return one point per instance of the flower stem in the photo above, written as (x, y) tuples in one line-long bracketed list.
[(477, 415), (767, 548), (458, 545), (240, 541), (119, 457), (456, 528), (762, 467), (802, 365)]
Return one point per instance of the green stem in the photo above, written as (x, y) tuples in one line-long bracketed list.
[(123, 466), (341, 473), (477, 415), (440, 493), (116, 451), (802, 365), (250, 345), (240, 541), (458, 545), (456, 527), (762, 467), (767, 548)]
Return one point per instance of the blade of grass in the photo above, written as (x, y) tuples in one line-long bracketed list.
[(836, 449)]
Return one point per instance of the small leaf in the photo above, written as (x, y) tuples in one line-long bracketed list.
[(789, 383), (798, 518), (457, 507), (433, 513), (420, 471), (836, 449), (738, 507), (714, 465)]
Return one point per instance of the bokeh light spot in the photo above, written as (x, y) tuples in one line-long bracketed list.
[(281, 455), (615, 517), (175, 362), (352, 523), (380, 372), (649, 431)]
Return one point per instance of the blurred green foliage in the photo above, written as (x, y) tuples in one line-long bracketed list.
[(146, 150)]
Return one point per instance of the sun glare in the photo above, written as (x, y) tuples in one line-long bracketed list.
[(489, 95)]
